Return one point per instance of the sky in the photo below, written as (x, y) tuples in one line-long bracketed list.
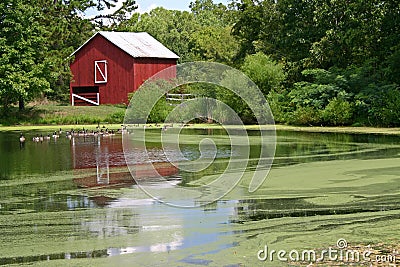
[(147, 5)]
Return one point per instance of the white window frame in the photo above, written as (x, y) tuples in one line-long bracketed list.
[(103, 76)]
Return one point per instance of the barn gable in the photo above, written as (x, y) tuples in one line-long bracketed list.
[(112, 64)]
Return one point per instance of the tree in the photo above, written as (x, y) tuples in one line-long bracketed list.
[(23, 68), (201, 35), (256, 24), (171, 27), (264, 72), (66, 30), (214, 43)]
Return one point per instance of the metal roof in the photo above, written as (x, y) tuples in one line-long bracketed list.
[(136, 44)]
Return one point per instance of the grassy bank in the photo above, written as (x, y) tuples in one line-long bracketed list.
[(348, 129), (52, 128), (56, 114), (338, 129), (111, 124), (48, 115)]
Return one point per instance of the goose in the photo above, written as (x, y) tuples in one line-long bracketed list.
[(47, 137), (55, 135), (21, 138), (41, 138)]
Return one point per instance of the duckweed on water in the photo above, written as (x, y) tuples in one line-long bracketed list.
[(321, 189)]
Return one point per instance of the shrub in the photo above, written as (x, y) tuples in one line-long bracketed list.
[(117, 117), (305, 116), (338, 112)]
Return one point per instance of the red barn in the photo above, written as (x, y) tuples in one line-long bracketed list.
[(112, 64)]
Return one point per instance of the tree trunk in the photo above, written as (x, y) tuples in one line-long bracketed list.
[(21, 104), (6, 106)]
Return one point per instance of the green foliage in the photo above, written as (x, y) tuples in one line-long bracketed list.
[(256, 23), (307, 115), (62, 115), (279, 105), (318, 62), (264, 71), (322, 99), (378, 105), (160, 111), (317, 93), (338, 56), (338, 112), (214, 44), (22, 64), (117, 117), (237, 103), (200, 35), (148, 104)]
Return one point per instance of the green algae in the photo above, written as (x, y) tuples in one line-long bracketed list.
[(279, 234), (302, 205), (247, 237)]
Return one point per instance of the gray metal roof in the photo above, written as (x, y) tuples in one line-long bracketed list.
[(136, 44)]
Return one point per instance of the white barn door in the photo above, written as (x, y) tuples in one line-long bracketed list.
[(100, 71)]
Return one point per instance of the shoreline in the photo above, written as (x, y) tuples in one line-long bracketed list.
[(340, 129), (278, 127)]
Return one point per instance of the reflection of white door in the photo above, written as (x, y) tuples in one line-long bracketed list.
[(102, 165), (103, 174), (100, 71)]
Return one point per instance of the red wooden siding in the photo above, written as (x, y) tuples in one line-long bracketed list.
[(125, 73), (147, 67)]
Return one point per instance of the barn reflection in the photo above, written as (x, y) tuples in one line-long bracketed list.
[(99, 161)]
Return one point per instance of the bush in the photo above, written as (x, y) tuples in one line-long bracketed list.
[(305, 116), (378, 105), (264, 72), (117, 117), (278, 106), (338, 112)]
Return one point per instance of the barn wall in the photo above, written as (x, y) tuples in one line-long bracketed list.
[(120, 70), (147, 67)]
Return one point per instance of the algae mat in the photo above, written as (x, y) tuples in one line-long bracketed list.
[(304, 206), (321, 190)]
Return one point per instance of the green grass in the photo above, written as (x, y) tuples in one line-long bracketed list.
[(57, 114), (54, 114), (312, 129)]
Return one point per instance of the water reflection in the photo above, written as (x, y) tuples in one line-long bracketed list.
[(261, 209), (57, 202), (102, 154)]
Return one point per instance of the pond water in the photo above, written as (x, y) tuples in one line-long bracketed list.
[(73, 201)]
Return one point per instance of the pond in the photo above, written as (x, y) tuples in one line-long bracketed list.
[(73, 201)]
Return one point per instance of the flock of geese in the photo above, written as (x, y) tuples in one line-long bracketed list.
[(84, 132), (72, 133)]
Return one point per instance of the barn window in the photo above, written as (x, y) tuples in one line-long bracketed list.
[(100, 71)]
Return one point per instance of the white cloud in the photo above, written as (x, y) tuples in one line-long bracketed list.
[(146, 9)]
